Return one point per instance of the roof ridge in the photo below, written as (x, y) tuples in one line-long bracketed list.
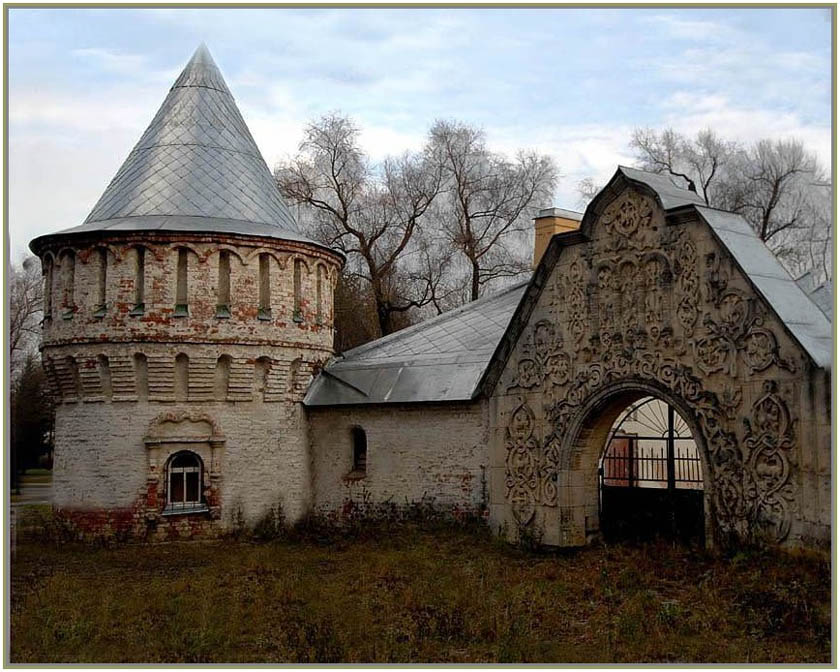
[(425, 323)]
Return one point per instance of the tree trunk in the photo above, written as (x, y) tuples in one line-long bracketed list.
[(475, 277)]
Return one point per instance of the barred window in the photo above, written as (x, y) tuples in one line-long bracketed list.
[(185, 475)]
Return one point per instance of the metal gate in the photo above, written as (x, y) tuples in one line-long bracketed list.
[(651, 477)]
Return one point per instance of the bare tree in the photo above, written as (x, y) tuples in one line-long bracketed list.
[(26, 299), (488, 201), (776, 185), (588, 189), (699, 162), (371, 212)]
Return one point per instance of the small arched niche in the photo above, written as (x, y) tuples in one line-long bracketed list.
[(221, 380)]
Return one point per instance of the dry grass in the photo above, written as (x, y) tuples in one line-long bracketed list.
[(414, 595)]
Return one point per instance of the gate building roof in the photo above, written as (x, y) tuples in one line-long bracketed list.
[(448, 358)]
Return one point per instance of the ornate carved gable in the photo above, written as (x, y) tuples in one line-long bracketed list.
[(635, 299)]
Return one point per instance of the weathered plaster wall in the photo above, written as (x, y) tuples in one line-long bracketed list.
[(648, 307), (73, 316), (263, 460), (422, 452), (117, 383)]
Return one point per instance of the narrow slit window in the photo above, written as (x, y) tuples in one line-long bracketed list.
[(139, 281), (102, 284), (319, 303), (223, 304), (181, 305), (69, 270), (264, 307), (359, 450), (48, 287), (298, 312)]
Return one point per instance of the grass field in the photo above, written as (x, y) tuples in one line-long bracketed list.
[(409, 594)]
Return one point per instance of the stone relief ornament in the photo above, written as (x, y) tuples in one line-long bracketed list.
[(622, 302), (521, 467), (769, 442), (578, 313), (628, 219), (737, 328), (542, 358), (687, 285)]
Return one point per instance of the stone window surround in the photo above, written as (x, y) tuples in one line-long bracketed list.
[(159, 451)]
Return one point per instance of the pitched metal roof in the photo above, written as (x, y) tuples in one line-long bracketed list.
[(822, 294), (196, 168), (441, 359), (460, 354), (670, 195)]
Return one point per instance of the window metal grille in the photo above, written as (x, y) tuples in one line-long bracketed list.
[(184, 484)]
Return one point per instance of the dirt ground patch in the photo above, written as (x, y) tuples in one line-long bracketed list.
[(410, 594)]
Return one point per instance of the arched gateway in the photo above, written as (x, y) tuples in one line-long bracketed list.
[(658, 295)]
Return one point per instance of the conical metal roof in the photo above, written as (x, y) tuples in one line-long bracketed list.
[(196, 168)]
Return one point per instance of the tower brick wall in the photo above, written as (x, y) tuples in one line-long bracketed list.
[(125, 406)]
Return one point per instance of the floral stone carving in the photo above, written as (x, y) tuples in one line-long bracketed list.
[(521, 464), (631, 300)]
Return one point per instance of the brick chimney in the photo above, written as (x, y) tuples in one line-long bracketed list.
[(550, 221)]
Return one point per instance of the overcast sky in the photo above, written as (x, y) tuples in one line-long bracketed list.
[(84, 84)]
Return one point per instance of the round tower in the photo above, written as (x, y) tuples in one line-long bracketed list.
[(182, 323)]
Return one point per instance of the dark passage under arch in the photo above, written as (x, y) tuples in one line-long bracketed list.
[(651, 476)]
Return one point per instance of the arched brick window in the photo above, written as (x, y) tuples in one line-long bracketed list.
[(297, 316), (223, 300), (184, 482), (48, 286), (359, 449), (319, 294), (264, 306), (139, 281), (102, 283), (261, 369), (104, 367), (222, 377), (68, 279), (181, 286)]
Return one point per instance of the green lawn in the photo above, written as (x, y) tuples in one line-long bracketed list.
[(413, 595)]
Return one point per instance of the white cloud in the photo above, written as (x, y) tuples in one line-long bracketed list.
[(394, 72), (689, 113), (692, 29)]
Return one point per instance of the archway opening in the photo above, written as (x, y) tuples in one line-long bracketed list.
[(650, 476)]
